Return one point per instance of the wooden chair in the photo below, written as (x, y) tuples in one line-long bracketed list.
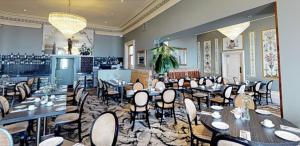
[(167, 103), (219, 80), (256, 94), (201, 81), (30, 82), (227, 140), (160, 86), (224, 99), (100, 87), (27, 89), (19, 128), (23, 94), (104, 131), (14, 93), (140, 105), (208, 82), (138, 86), (266, 93), (6, 138), (109, 92), (74, 108), (71, 94), (238, 102), (197, 94), (198, 131), (69, 118)]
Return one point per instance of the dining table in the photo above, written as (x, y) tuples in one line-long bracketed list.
[(216, 88), (120, 85), (21, 112), (259, 134)]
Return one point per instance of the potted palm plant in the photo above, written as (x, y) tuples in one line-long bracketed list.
[(163, 60)]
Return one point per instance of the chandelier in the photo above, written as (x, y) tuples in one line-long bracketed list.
[(67, 23), (234, 31)]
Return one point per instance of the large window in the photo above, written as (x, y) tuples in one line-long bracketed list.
[(130, 56)]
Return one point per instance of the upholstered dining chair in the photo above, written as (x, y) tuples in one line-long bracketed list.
[(70, 118), (27, 90), (227, 140), (109, 92), (6, 138), (71, 94), (238, 102), (160, 86), (104, 131), (219, 80), (30, 82), (74, 108), (197, 94), (266, 93), (100, 87), (167, 103), (256, 94), (201, 81), (14, 93), (138, 86), (140, 105), (198, 131), (19, 128), (23, 94), (180, 86), (208, 82), (224, 99), (153, 83)]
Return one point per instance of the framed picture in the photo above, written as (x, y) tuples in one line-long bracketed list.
[(142, 57), (269, 54), (180, 55), (207, 56), (236, 44)]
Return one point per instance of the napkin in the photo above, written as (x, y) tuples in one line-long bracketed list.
[(60, 104), (245, 134), (30, 101), (19, 110), (205, 113), (288, 128)]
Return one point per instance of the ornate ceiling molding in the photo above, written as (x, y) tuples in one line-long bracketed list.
[(150, 11)]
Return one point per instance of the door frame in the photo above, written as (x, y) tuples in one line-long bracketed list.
[(126, 47), (242, 52)]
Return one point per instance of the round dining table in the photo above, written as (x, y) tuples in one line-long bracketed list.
[(260, 135)]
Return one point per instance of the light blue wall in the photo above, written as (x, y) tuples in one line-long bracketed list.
[(185, 15), (108, 46), (288, 27), (191, 44), (14, 39), (257, 27)]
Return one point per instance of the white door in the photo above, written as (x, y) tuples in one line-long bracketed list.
[(232, 65)]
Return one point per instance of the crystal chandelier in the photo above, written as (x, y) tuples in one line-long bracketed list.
[(234, 31), (67, 23)]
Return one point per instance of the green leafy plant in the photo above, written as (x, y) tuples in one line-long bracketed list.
[(163, 60)]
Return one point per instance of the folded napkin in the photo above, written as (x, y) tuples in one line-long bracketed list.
[(205, 113), (236, 111), (28, 101), (60, 104), (245, 134), (288, 128), (19, 110)]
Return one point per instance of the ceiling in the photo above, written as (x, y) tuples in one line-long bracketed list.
[(110, 13)]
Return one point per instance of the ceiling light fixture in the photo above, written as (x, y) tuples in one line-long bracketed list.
[(234, 31), (67, 23)]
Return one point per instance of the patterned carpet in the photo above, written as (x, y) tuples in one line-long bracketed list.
[(166, 134)]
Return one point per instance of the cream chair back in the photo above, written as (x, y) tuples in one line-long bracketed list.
[(141, 98), (4, 105), (238, 102), (193, 84), (208, 82), (169, 95), (160, 86), (104, 131), (190, 109), (5, 138), (180, 82), (138, 86)]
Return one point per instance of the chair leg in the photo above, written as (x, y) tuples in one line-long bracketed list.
[(79, 131), (174, 115), (147, 116), (199, 104), (192, 141), (133, 121), (267, 98), (162, 115), (271, 98)]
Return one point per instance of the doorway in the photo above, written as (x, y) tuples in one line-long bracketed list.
[(64, 72), (129, 55), (233, 66)]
